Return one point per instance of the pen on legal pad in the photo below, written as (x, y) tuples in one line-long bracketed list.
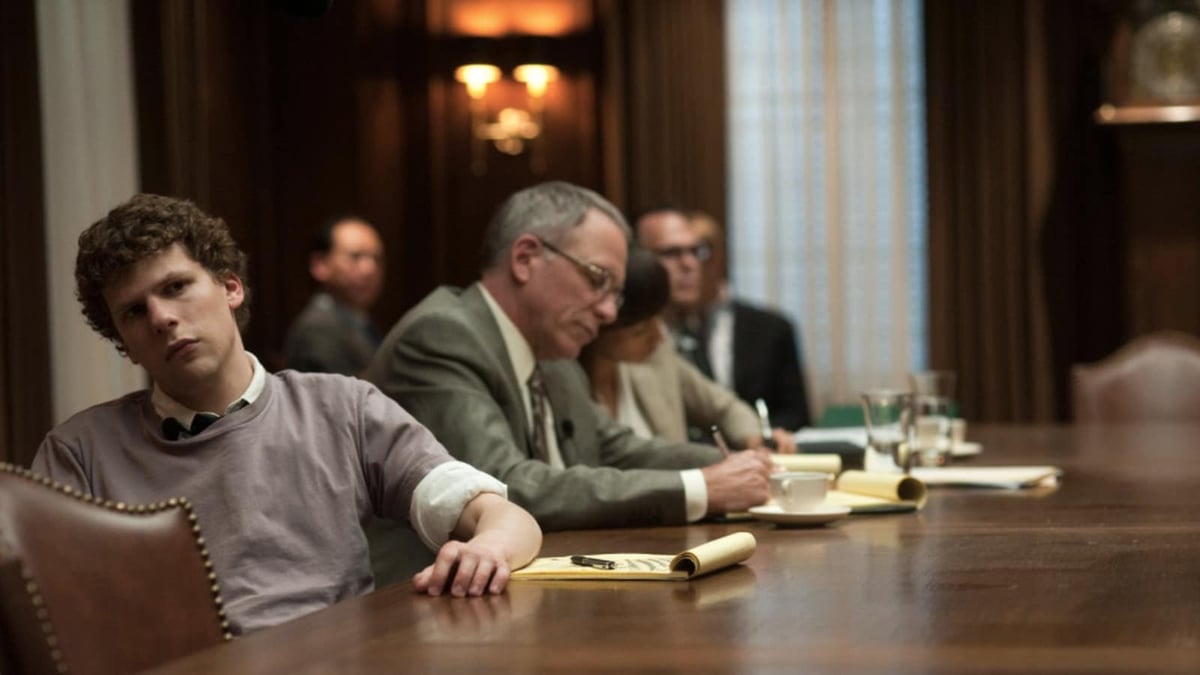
[(764, 419), (598, 563), (720, 441)]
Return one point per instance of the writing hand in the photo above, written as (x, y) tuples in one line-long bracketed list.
[(739, 481)]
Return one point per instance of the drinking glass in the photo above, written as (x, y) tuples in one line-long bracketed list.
[(931, 430), (934, 383), (888, 417)]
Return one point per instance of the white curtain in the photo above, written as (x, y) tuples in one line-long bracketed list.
[(90, 152), (827, 210)]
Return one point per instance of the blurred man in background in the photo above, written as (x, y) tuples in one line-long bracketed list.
[(334, 333), (747, 349)]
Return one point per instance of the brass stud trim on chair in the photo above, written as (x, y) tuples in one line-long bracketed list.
[(39, 603), (120, 507), (200, 543), (31, 588)]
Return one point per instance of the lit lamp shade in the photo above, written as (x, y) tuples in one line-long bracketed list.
[(477, 76), (536, 77)]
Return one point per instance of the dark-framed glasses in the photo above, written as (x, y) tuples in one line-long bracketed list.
[(701, 252), (600, 279)]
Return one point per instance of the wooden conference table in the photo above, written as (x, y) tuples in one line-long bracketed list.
[(1099, 574)]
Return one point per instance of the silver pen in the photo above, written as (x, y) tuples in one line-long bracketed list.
[(764, 419), (720, 441)]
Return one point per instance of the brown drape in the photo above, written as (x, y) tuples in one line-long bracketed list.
[(24, 329), (1016, 205), (674, 108), (204, 120)]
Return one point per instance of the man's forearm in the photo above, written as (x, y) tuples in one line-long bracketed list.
[(491, 518)]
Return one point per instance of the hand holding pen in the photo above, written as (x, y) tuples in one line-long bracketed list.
[(739, 481)]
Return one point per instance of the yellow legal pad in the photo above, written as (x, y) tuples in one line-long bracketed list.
[(867, 492), (694, 562)]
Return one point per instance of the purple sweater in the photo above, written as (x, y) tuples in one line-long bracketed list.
[(280, 487)]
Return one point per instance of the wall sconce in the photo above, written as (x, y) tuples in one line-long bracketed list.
[(514, 128)]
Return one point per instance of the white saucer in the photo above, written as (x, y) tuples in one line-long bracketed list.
[(818, 515), (966, 449)]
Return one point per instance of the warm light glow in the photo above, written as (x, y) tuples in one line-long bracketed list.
[(477, 76), (497, 18), (512, 129), (535, 76)]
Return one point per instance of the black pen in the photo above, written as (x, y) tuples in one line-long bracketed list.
[(598, 563)]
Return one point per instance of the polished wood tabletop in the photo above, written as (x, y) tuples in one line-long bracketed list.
[(1098, 574)]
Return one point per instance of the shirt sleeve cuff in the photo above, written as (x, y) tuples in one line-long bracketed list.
[(695, 494), (441, 496)]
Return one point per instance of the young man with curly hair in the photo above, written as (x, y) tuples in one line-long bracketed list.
[(281, 469)]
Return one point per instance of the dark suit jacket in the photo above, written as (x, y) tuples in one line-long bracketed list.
[(446, 363), (326, 338), (766, 364)]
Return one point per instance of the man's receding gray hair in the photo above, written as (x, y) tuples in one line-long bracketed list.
[(548, 210)]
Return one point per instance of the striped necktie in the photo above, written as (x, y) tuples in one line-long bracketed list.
[(537, 401)]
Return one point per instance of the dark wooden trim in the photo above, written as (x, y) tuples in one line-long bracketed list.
[(25, 412)]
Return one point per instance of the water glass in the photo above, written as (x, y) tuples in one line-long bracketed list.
[(888, 417), (934, 383), (931, 431)]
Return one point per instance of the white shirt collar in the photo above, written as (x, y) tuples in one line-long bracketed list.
[(165, 406), (520, 354)]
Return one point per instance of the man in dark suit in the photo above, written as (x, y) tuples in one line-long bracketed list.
[(491, 370), (748, 349), (765, 362), (334, 333)]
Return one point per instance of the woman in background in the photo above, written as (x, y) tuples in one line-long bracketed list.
[(637, 376)]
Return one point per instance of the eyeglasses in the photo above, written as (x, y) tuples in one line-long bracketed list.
[(700, 251), (600, 279)]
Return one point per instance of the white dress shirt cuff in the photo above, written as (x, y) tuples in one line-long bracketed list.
[(442, 494), (695, 494)]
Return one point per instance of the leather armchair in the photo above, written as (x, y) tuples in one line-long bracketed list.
[(89, 586), (1154, 378)]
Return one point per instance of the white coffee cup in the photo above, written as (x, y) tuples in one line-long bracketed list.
[(796, 491)]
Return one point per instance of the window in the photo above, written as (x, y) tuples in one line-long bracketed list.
[(827, 205)]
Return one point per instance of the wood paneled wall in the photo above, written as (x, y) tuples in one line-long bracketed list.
[(276, 122), (1053, 240), (1160, 173)]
